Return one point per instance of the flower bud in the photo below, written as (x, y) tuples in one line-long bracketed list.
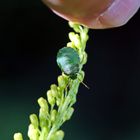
[(18, 136), (34, 120), (84, 60), (84, 36), (75, 26), (33, 133), (43, 113), (43, 103), (43, 117), (59, 135), (53, 115), (75, 39), (60, 92), (62, 82), (81, 76), (71, 36), (50, 98), (43, 134), (57, 102), (54, 90), (69, 114), (71, 44)]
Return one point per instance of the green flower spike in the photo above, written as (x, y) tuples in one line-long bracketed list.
[(58, 107)]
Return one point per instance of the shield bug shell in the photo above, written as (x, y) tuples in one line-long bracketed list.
[(69, 61)]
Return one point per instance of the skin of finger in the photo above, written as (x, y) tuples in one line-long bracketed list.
[(118, 14), (78, 10), (97, 14)]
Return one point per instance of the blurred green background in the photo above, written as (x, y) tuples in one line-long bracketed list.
[(30, 36)]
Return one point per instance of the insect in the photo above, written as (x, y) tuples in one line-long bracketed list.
[(69, 61)]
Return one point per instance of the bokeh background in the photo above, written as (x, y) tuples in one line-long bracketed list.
[(30, 36)]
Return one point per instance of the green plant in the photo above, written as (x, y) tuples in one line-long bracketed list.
[(58, 107)]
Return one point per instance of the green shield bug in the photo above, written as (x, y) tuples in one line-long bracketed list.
[(69, 61)]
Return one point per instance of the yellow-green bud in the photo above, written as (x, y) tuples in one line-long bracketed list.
[(43, 118), (84, 37), (34, 120), (75, 26), (59, 135), (71, 44), (59, 92), (43, 113), (43, 134), (84, 60), (54, 90), (43, 103), (53, 115), (81, 76), (18, 136), (65, 77), (71, 24), (33, 133), (58, 102), (69, 114), (62, 82), (50, 98), (71, 36), (75, 39)]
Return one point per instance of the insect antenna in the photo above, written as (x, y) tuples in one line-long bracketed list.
[(84, 84)]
